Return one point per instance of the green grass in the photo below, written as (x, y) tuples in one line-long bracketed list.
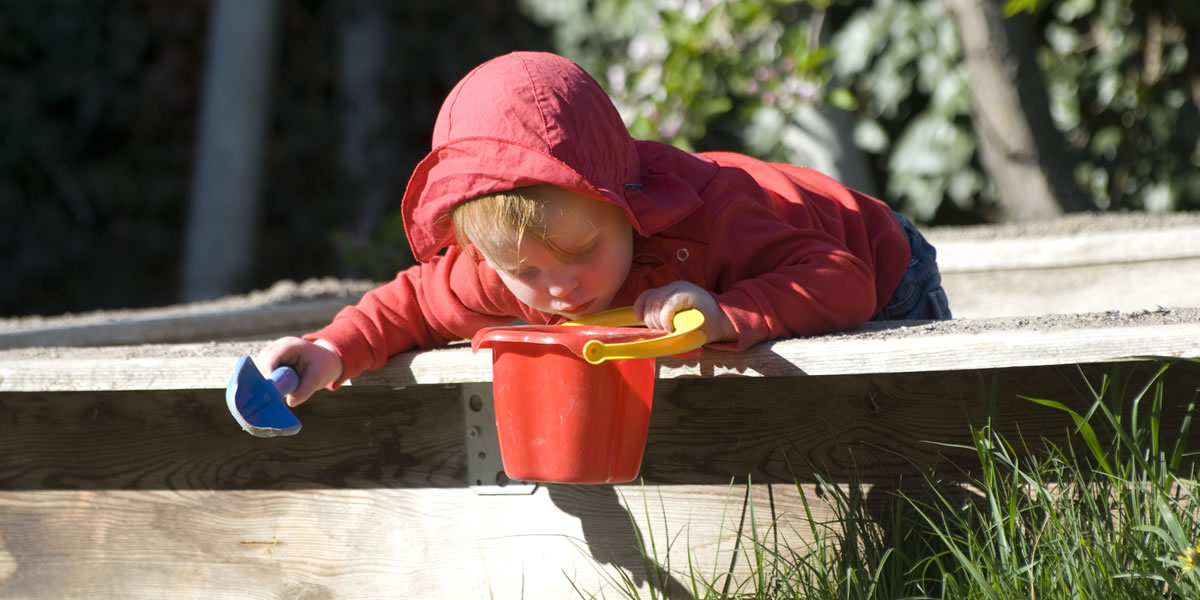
[(1111, 515)]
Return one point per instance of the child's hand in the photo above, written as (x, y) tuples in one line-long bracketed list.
[(657, 307), (317, 364)]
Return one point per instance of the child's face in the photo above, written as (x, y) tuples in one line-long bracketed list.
[(581, 265)]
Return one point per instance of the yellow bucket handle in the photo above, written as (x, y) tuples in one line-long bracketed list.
[(687, 336)]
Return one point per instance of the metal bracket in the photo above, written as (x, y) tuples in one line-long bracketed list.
[(485, 471)]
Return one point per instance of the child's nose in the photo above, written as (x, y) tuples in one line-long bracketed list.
[(562, 283)]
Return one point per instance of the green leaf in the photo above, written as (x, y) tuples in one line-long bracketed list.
[(1012, 7), (843, 98), (1082, 428)]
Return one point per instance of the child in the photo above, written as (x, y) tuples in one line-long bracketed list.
[(548, 210)]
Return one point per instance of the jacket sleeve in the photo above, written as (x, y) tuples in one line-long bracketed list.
[(779, 280), (425, 306)]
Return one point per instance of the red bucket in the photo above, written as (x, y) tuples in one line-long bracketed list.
[(559, 418)]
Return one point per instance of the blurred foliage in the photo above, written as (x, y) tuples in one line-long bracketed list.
[(1117, 71), (1124, 83), (903, 60), (679, 69)]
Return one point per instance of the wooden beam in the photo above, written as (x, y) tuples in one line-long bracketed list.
[(150, 495), (179, 324), (1094, 248), (392, 543), (888, 348), (766, 427), (1066, 290)]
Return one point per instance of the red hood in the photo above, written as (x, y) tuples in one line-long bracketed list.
[(527, 118)]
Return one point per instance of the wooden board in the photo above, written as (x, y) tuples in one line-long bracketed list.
[(183, 324), (1064, 290), (1025, 273), (909, 349), (413, 438), (1046, 252), (151, 495), (389, 543)]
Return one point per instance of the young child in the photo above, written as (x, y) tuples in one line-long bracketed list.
[(548, 210)]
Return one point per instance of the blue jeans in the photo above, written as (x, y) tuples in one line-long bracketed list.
[(920, 296)]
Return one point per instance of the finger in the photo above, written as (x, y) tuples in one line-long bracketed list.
[(667, 315), (679, 302), (297, 398), (651, 301), (653, 310), (308, 386), (639, 306), (310, 382), (278, 353)]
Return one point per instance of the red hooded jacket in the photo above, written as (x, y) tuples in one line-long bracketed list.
[(785, 250)]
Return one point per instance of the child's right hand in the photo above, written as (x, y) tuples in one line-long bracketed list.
[(317, 364), (657, 307)]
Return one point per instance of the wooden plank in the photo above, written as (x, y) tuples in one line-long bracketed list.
[(137, 495), (188, 440), (348, 544), (165, 326), (900, 348), (766, 428), (1092, 248), (1090, 288)]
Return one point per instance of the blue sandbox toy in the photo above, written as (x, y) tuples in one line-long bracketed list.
[(258, 403)]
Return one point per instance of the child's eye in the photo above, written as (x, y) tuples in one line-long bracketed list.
[(581, 253), (527, 274)]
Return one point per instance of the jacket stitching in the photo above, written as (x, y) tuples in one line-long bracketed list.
[(538, 103)]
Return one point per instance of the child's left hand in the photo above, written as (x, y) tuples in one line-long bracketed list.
[(657, 307)]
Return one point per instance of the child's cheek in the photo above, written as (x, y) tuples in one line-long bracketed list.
[(524, 292)]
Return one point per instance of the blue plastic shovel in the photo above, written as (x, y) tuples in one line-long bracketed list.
[(258, 404)]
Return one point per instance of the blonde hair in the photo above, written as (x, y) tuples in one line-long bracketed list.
[(499, 222)]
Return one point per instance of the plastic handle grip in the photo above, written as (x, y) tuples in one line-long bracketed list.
[(285, 380), (687, 336)]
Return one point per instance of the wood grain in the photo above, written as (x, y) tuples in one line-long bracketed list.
[(159, 494), (199, 367), (188, 440), (1095, 248), (186, 324), (391, 543), (1079, 289), (703, 431)]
